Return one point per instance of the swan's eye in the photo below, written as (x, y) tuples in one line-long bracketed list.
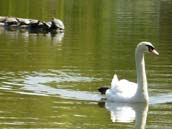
[(150, 48)]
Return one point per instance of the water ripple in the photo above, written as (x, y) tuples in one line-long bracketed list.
[(37, 83)]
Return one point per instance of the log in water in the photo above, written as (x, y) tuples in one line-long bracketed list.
[(32, 25)]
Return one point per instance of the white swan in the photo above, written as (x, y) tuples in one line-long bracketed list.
[(126, 91)]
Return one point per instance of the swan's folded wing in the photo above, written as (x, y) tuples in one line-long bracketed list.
[(124, 88)]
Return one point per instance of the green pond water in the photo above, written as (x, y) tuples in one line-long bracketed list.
[(51, 81)]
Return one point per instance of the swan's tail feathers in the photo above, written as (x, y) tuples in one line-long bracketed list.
[(103, 89), (114, 81)]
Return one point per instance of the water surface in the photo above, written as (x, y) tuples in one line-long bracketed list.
[(51, 81)]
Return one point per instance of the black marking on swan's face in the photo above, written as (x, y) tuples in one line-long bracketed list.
[(150, 48)]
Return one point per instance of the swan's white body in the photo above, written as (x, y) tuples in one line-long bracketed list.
[(126, 91)]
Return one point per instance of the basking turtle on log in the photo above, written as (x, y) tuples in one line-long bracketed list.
[(2, 20), (57, 25), (23, 23), (11, 21)]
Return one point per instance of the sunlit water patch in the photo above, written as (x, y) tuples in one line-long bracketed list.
[(37, 83)]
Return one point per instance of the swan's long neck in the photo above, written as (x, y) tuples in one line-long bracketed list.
[(142, 92)]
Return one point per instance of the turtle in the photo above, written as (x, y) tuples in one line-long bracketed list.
[(34, 22), (57, 24), (23, 21), (36, 26), (2, 19), (11, 21), (47, 26)]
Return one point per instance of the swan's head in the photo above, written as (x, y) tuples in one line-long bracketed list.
[(146, 47)]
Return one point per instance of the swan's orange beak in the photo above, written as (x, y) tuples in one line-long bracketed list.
[(155, 52)]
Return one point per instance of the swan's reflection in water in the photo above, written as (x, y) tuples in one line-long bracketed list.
[(126, 113)]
